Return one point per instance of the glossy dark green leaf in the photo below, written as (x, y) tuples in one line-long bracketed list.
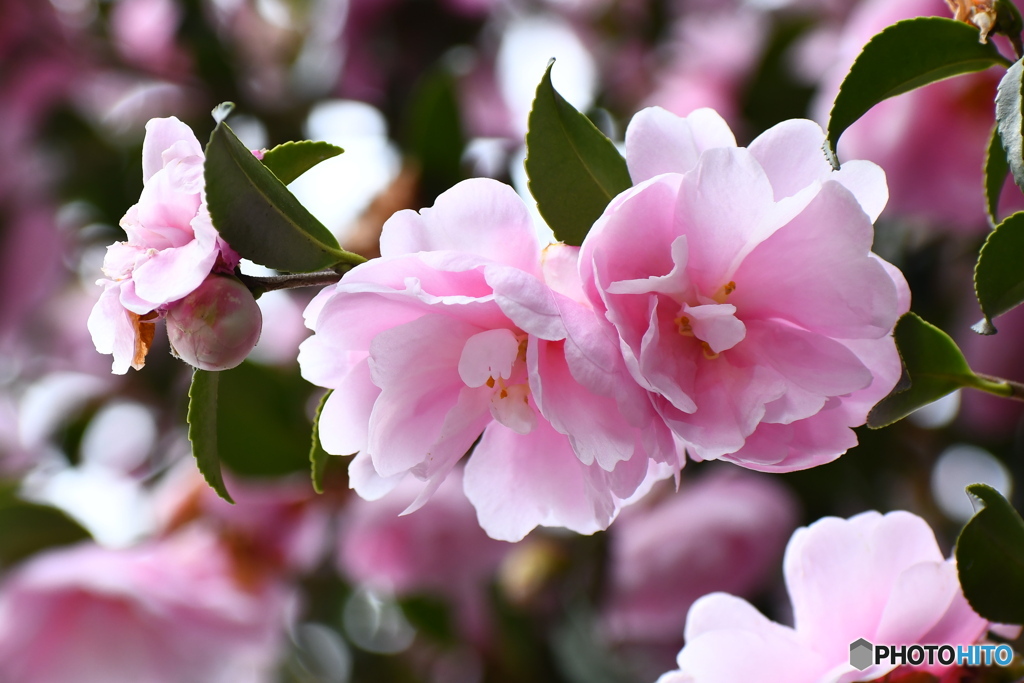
[(573, 169), (202, 428), (318, 457), (290, 160), (262, 423), (905, 56), (933, 366), (990, 557), (996, 169), (257, 215), (1009, 121), (998, 275), (433, 133), (27, 528)]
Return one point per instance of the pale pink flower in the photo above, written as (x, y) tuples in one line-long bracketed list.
[(165, 612), (725, 532), (743, 288), (882, 578), (464, 326), (172, 246)]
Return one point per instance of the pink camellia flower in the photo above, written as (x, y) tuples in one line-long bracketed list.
[(736, 526), (743, 288), (216, 326), (172, 246), (464, 327), (881, 578), (166, 612)]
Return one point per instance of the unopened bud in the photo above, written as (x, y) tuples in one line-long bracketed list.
[(216, 326)]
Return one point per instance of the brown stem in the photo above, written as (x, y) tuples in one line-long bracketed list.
[(258, 285)]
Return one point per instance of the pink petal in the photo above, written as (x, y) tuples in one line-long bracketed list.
[(517, 482), (478, 216), (658, 141), (839, 290), (721, 210), (161, 135), (345, 417), (790, 154), (488, 355), (173, 274)]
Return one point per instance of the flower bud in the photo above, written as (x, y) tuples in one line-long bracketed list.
[(216, 326)]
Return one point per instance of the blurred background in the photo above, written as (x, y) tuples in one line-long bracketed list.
[(117, 563)]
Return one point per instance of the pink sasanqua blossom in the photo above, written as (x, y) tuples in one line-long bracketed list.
[(464, 329), (882, 578), (744, 291), (168, 611), (172, 246)]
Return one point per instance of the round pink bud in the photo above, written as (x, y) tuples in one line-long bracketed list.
[(216, 326)]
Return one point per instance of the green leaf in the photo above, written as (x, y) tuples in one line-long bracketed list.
[(433, 133), (318, 457), (257, 215), (262, 424), (905, 56), (291, 159), (27, 528), (998, 276), (933, 366), (996, 168), (202, 428), (990, 557), (573, 169), (1008, 120)]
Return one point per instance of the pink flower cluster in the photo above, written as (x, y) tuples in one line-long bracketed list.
[(172, 247), (876, 577), (728, 304)]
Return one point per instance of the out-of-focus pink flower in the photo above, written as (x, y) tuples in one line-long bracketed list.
[(273, 528), (144, 33), (216, 326), (438, 549), (464, 326), (931, 141), (172, 246), (167, 612), (742, 285), (714, 54), (723, 533), (877, 577)]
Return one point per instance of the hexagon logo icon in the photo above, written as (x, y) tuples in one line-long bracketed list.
[(861, 652)]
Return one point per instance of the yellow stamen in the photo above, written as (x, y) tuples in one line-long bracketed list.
[(683, 325), (708, 352)]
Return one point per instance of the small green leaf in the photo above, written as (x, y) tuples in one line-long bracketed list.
[(433, 133), (933, 366), (27, 528), (257, 215), (202, 428), (998, 276), (1008, 120), (905, 56), (318, 457), (573, 169), (990, 557), (291, 159), (996, 169)]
